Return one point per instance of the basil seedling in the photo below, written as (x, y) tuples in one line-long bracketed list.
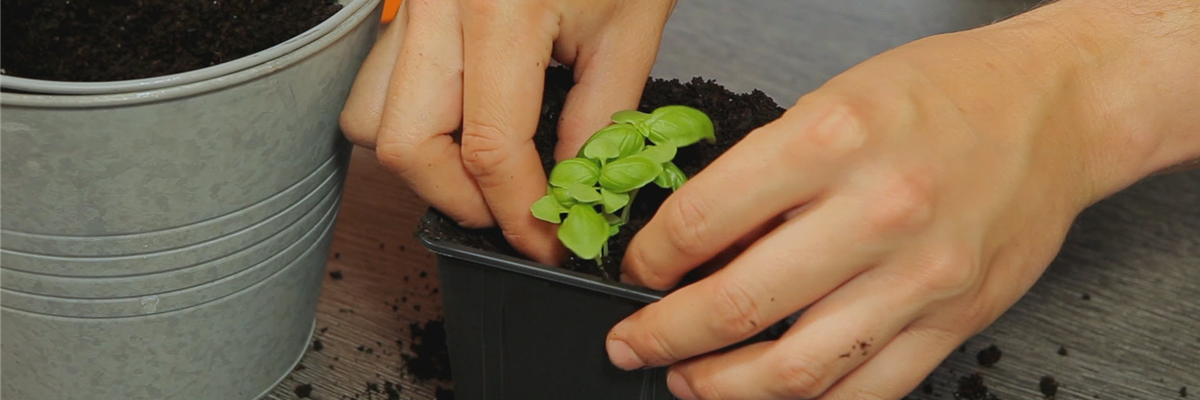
[(585, 193)]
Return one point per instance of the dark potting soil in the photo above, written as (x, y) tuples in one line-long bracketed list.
[(392, 390), (733, 114), (1048, 386), (89, 40), (431, 356), (989, 356), (303, 391), (971, 387)]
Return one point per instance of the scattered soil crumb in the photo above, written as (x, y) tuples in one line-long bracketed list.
[(392, 390), (1086, 297), (431, 359), (336, 275), (1048, 386), (989, 356), (372, 387), (304, 390), (1183, 391), (971, 387), (318, 345), (1062, 350)]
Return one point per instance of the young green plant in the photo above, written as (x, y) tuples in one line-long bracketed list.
[(591, 194)]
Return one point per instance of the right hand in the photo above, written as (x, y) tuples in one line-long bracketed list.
[(480, 65)]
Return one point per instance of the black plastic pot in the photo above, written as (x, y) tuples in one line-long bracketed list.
[(519, 330)]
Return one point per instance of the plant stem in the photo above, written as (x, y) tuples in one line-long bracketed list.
[(628, 205)]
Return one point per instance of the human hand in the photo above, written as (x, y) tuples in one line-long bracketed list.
[(480, 65), (903, 206)]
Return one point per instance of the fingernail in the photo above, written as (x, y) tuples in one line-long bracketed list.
[(679, 386), (623, 356)]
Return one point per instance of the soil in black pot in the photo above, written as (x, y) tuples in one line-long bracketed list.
[(733, 114), (108, 40)]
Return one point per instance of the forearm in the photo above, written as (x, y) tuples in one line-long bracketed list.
[(1133, 71)]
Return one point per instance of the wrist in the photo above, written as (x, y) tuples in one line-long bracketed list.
[(1127, 73)]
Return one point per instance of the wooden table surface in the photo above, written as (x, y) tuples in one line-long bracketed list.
[(1123, 297)]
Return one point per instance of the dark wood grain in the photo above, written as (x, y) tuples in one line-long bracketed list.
[(1136, 255)]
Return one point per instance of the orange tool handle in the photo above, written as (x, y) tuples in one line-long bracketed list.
[(389, 9)]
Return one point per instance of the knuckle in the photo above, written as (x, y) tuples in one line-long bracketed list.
[(841, 130), (397, 157), (483, 148), (655, 348), (687, 220), (800, 378), (735, 311), (904, 201), (358, 128), (646, 270), (947, 272)]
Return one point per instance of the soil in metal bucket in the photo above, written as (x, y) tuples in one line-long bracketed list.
[(110, 40)]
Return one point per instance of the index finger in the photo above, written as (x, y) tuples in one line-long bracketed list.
[(506, 51)]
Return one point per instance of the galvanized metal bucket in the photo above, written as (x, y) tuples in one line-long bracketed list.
[(170, 243)]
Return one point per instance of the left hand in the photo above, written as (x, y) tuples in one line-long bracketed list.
[(904, 206)]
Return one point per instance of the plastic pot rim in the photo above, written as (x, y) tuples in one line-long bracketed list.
[(43, 86), (534, 269), (351, 17)]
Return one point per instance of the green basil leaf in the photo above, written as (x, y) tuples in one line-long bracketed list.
[(563, 196), (584, 193), (613, 141), (661, 153), (612, 219), (629, 117), (629, 173), (548, 209), (613, 230), (584, 231), (574, 170), (613, 201), (659, 139), (680, 125), (601, 150), (671, 177)]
